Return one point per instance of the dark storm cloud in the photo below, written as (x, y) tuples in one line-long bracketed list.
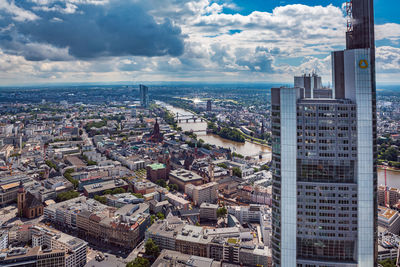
[(119, 28)]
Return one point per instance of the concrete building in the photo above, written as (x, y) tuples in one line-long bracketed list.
[(323, 161), (309, 83), (389, 220), (124, 227), (156, 172), (163, 233), (3, 239), (247, 214), (182, 177), (35, 257), (9, 188), (177, 201), (174, 258), (144, 187), (75, 249), (99, 188), (120, 200), (230, 245), (203, 193), (208, 212)]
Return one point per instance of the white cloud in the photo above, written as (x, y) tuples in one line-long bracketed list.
[(218, 46), (388, 59), (19, 14)]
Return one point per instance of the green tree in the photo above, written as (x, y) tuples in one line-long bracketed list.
[(390, 154), (223, 165), (264, 167), (152, 218), (173, 187), (51, 164), (160, 216), (151, 249), (237, 172), (100, 199), (138, 195), (161, 183), (388, 263), (107, 192), (67, 195), (221, 212), (68, 176), (139, 262), (118, 191)]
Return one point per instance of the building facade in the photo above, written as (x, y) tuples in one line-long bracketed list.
[(324, 210), (144, 96)]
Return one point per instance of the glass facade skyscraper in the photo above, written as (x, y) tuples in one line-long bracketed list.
[(144, 96), (324, 160)]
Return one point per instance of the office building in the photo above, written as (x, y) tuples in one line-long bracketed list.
[(156, 172), (389, 220), (182, 177), (144, 96), (231, 245), (122, 227), (173, 258), (75, 249), (35, 257), (247, 214), (203, 193), (324, 210), (309, 83), (209, 105), (208, 212)]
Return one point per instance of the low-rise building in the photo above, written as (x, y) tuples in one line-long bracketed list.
[(124, 227), (101, 187), (177, 201), (120, 200), (203, 193), (208, 212), (75, 248), (144, 187), (182, 177), (156, 172), (9, 188), (389, 219), (231, 245), (172, 258), (246, 214), (35, 256)]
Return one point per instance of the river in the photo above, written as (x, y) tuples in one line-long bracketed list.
[(253, 150), (246, 149)]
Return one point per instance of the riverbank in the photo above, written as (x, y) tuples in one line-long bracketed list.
[(392, 169), (254, 140), (248, 148)]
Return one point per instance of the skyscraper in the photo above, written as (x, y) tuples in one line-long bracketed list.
[(144, 96), (324, 160)]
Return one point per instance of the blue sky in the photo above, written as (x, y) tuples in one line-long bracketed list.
[(59, 41)]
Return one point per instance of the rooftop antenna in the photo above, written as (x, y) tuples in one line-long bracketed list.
[(349, 12)]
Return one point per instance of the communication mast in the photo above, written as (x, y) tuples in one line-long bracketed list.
[(349, 12)]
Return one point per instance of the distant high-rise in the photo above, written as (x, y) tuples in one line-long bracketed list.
[(144, 96), (209, 105), (309, 83), (324, 160)]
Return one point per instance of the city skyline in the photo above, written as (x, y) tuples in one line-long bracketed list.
[(181, 41)]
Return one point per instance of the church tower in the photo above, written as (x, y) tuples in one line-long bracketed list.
[(21, 199)]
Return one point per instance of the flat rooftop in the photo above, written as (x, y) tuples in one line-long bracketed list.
[(185, 175), (386, 214), (157, 166)]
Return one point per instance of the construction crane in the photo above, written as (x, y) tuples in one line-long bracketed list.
[(386, 204)]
